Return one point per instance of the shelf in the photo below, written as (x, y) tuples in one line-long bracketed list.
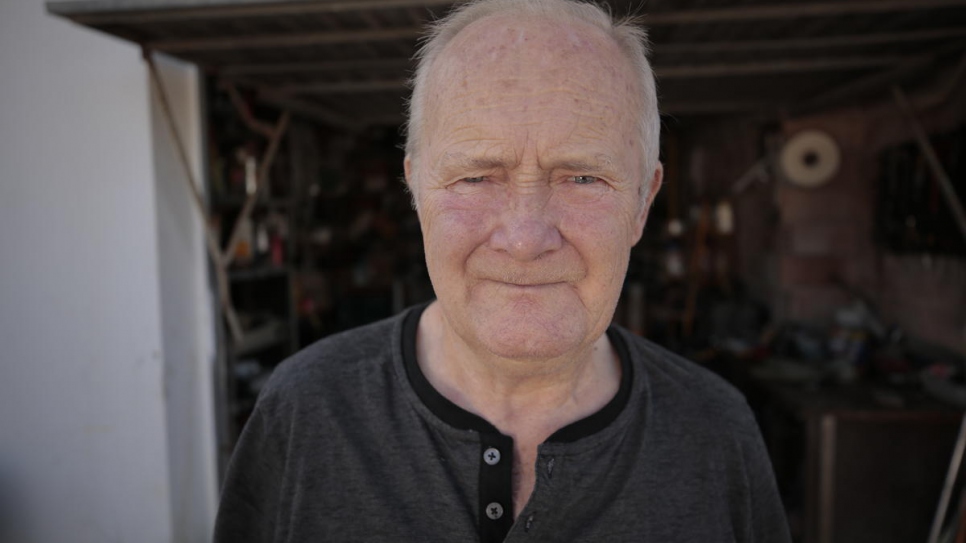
[(259, 272), (238, 200), (267, 335)]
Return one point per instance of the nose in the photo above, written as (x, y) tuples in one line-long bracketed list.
[(527, 228)]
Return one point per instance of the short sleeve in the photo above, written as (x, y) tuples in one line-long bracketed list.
[(251, 493)]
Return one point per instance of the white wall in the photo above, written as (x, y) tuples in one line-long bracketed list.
[(88, 361), (186, 310)]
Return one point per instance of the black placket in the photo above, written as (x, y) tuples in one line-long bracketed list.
[(495, 507), (496, 486)]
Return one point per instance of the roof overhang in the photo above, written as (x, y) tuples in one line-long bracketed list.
[(347, 62)]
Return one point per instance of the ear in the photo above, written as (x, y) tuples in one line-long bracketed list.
[(652, 189), (408, 171), (408, 177)]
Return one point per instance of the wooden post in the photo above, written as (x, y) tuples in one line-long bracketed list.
[(942, 178), (221, 274), (263, 170)]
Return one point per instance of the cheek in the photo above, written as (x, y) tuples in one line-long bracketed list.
[(453, 227), (602, 232), (605, 225)]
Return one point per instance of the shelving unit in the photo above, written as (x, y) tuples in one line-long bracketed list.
[(261, 278), (340, 242)]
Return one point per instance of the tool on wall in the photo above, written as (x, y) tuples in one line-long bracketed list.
[(810, 159), (221, 259), (932, 160)]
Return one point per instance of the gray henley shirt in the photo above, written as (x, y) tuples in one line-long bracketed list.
[(349, 442)]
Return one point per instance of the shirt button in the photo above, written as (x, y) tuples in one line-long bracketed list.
[(491, 456), (494, 511)]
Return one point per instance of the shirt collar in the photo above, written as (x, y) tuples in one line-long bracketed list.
[(455, 416)]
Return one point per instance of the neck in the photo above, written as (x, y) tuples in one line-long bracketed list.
[(525, 399)]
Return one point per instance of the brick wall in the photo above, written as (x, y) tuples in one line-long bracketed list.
[(825, 235), (804, 250)]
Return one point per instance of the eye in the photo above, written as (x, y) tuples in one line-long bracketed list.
[(584, 179), (473, 180)]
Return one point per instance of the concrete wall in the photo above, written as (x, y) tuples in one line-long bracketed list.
[(92, 447)]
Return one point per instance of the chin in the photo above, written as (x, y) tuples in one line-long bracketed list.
[(532, 352), (531, 333)]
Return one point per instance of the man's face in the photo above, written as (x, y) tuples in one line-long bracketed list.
[(528, 183)]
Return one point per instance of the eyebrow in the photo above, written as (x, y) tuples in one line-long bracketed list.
[(461, 160), (466, 162), (580, 165)]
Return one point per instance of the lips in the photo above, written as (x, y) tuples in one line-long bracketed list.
[(529, 281), (531, 285), (537, 273)]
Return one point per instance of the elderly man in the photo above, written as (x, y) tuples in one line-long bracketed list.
[(510, 409)]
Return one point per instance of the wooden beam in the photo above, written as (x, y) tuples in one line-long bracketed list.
[(880, 80), (308, 110), (343, 87), (245, 112), (278, 132), (211, 239), (667, 108), (662, 73), (945, 91), (233, 70), (105, 12), (819, 42), (714, 107), (793, 11), (860, 86), (932, 160), (274, 41), (775, 67)]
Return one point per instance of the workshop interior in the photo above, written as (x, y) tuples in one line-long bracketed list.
[(808, 243)]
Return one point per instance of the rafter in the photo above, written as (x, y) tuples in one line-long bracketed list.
[(88, 13), (701, 107), (100, 12), (315, 67), (344, 87), (793, 11), (408, 33), (274, 41), (776, 67), (817, 42), (874, 82), (662, 73), (401, 63)]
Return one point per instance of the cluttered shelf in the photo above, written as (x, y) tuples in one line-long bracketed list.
[(859, 417), (816, 396), (862, 459)]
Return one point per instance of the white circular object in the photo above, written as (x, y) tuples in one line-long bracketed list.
[(810, 159)]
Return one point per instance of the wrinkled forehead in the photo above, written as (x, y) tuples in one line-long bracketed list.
[(544, 41), (499, 56)]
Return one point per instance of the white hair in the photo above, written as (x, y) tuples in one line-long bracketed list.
[(630, 37)]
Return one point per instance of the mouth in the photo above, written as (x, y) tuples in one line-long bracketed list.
[(529, 285)]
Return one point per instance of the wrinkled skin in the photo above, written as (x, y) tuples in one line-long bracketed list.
[(529, 187)]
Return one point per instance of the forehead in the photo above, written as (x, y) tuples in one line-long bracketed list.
[(506, 82)]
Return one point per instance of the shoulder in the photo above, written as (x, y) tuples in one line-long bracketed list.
[(340, 362), (678, 386)]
